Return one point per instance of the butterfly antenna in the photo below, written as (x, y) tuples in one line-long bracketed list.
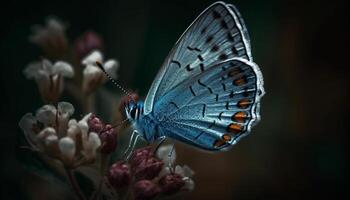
[(112, 79)]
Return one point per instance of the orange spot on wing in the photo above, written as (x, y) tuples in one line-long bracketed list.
[(240, 117), (234, 72), (240, 81), (226, 137), (244, 103), (234, 128), (219, 143)]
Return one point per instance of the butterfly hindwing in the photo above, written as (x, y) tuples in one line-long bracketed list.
[(216, 35), (215, 108)]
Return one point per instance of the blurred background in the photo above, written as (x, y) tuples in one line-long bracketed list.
[(297, 151)]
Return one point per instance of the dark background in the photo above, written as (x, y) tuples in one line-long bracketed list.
[(298, 150)]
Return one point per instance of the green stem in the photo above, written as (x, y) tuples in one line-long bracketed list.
[(74, 184)]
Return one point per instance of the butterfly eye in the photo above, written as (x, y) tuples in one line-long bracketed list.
[(133, 112)]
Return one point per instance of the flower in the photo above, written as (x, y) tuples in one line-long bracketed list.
[(49, 77), (163, 153), (86, 43), (187, 174), (52, 132), (139, 155), (171, 183), (108, 139), (119, 174), (145, 190), (149, 168), (106, 133), (170, 180), (95, 124), (51, 37), (93, 76)]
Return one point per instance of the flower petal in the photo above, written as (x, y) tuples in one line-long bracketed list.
[(46, 114), (55, 25), (26, 124), (83, 125), (51, 139), (92, 58), (94, 140), (111, 67), (47, 66), (46, 133), (32, 70), (189, 184), (163, 154), (63, 69), (187, 171), (65, 108), (67, 147)]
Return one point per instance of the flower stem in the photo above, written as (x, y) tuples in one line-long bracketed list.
[(103, 163), (74, 184)]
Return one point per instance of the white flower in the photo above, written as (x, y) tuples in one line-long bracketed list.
[(49, 77), (50, 37), (93, 76), (163, 153), (52, 132)]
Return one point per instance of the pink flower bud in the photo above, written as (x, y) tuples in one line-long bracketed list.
[(119, 174), (139, 155), (171, 183), (145, 190), (148, 169), (86, 43), (108, 139), (95, 124)]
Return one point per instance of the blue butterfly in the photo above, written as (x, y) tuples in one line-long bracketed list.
[(208, 90)]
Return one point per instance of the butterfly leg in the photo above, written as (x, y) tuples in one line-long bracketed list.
[(131, 146), (170, 154), (161, 141)]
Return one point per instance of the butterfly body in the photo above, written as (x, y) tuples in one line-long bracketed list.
[(208, 91)]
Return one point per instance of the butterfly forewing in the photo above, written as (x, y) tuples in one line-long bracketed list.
[(216, 35)]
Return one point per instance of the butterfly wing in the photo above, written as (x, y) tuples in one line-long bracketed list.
[(214, 109), (215, 35)]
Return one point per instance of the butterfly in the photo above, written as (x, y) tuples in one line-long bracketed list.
[(207, 93)]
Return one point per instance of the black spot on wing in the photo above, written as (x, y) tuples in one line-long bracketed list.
[(200, 58), (212, 124), (193, 49), (194, 94), (201, 67), (173, 103), (216, 14), (220, 115), (230, 37), (203, 112), (188, 68), (209, 39), (234, 50), (224, 24), (215, 48), (223, 57), (204, 30), (176, 62)]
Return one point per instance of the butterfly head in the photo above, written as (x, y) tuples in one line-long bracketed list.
[(133, 110)]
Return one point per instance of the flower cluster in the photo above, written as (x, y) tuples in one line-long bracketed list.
[(106, 134), (89, 141), (150, 175), (50, 77), (51, 131), (93, 76)]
